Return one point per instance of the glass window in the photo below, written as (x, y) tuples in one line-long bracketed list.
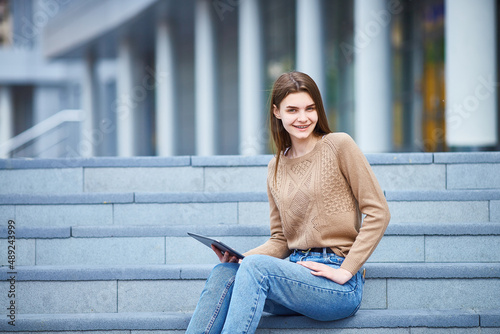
[(279, 38), (339, 64), (417, 35)]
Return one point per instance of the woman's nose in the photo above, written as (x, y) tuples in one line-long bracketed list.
[(302, 116)]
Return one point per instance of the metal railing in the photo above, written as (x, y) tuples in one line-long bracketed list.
[(35, 132)]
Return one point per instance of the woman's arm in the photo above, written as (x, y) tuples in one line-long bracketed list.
[(371, 202)]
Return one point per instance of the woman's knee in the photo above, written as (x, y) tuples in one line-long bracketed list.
[(251, 260), (258, 262), (225, 270), (221, 275)]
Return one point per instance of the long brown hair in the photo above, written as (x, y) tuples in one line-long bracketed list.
[(287, 83)]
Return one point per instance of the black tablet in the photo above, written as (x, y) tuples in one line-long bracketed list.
[(210, 241)]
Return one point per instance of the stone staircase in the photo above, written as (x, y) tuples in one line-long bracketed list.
[(101, 243)]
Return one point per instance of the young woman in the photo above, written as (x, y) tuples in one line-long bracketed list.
[(319, 186)]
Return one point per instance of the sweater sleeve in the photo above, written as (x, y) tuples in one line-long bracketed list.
[(371, 202), (276, 245)]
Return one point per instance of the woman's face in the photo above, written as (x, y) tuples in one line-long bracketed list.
[(298, 114)]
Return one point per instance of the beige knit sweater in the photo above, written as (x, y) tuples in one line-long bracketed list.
[(318, 200)]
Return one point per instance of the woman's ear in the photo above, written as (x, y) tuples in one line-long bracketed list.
[(276, 111)]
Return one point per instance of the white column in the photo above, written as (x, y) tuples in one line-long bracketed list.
[(125, 108), (205, 83), (310, 50), (372, 75), (166, 121), (6, 119), (252, 107), (470, 69), (89, 97)]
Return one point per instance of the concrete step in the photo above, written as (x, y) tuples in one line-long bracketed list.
[(364, 322), (97, 242), (136, 245), (444, 205), (405, 171), (242, 208), (176, 288)]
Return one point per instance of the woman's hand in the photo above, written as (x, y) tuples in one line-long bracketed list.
[(226, 257), (339, 276)]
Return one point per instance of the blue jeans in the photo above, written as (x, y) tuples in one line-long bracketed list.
[(235, 295)]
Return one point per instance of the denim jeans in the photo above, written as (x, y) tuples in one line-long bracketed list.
[(235, 295)]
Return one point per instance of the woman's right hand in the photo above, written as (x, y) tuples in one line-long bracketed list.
[(226, 257)]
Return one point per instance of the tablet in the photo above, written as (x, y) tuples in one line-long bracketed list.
[(209, 242)]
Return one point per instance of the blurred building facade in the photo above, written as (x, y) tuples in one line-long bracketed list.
[(193, 77)]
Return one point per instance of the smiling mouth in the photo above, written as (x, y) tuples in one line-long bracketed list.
[(302, 126)]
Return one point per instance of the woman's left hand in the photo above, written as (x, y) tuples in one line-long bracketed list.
[(339, 276), (226, 257)]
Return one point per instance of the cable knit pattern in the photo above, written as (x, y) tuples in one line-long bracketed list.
[(301, 168), (318, 201), (335, 186), (279, 178)]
